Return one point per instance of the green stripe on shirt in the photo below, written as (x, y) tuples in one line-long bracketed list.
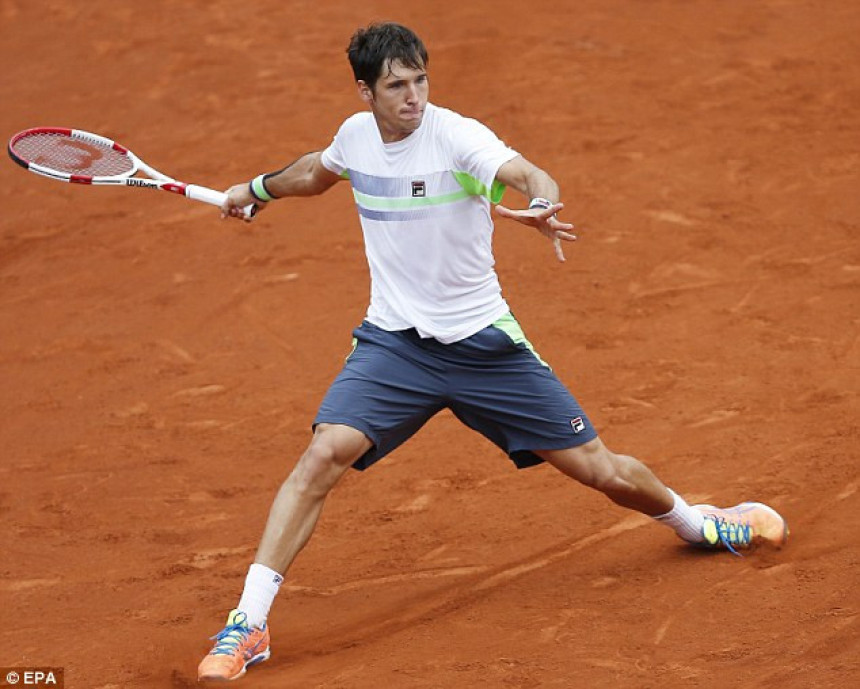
[(381, 203)]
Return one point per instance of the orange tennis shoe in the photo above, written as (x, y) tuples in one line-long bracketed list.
[(237, 647), (742, 526)]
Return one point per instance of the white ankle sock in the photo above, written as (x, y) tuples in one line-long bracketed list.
[(686, 521), (261, 587)]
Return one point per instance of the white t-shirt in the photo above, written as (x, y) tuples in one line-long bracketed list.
[(424, 205)]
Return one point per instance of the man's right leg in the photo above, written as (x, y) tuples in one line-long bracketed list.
[(299, 501), (292, 519)]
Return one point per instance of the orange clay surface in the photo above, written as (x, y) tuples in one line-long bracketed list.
[(160, 368)]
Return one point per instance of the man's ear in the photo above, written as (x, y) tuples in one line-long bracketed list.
[(364, 91)]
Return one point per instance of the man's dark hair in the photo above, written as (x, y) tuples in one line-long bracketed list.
[(374, 48)]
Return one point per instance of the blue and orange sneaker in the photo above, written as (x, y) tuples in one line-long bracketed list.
[(237, 647), (742, 526)]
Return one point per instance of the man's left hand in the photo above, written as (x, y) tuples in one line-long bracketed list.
[(545, 221)]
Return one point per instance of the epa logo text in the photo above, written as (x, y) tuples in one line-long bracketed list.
[(32, 677)]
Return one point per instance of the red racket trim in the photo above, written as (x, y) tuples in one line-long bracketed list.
[(73, 133), (40, 130), (175, 187)]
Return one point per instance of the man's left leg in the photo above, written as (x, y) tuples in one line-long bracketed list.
[(629, 483), (623, 479)]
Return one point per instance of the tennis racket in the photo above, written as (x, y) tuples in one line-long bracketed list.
[(79, 157)]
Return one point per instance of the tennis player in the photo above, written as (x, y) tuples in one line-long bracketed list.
[(438, 334)]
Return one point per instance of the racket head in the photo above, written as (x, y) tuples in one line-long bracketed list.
[(71, 155)]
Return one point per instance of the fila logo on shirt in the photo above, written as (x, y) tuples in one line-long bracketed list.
[(419, 189), (577, 424)]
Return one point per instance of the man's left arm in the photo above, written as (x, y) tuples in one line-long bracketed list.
[(542, 190)]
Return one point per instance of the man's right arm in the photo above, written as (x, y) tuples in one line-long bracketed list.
[(306, 176)]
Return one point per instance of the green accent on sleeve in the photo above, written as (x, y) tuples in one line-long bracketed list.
[(474, 187), (344, 174), (509, 325), (497, 191)]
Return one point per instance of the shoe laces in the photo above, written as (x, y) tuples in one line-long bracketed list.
[(732, 533), (229, 638)]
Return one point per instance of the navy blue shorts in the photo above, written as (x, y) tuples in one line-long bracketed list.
[(493, 381)]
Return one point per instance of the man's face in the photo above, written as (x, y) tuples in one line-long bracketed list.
[(397, 100)]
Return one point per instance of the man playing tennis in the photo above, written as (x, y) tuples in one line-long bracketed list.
[(438, 333)]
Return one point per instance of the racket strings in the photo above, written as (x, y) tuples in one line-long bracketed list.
[(68, 155)]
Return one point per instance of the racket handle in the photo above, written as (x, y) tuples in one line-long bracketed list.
[(216, 198)]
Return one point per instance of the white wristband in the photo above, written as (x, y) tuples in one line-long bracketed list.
[(538, 202)]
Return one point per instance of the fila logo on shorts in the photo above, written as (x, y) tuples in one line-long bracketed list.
[(419, 189), (577, 424)]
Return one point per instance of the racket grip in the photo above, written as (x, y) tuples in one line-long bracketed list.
[(216, 198)]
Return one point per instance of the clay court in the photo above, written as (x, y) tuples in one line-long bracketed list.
[(160, 368)]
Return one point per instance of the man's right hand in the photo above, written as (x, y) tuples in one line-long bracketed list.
[(238, 198)]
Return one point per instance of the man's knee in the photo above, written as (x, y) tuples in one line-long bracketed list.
[(330, 453), (592, 464)]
